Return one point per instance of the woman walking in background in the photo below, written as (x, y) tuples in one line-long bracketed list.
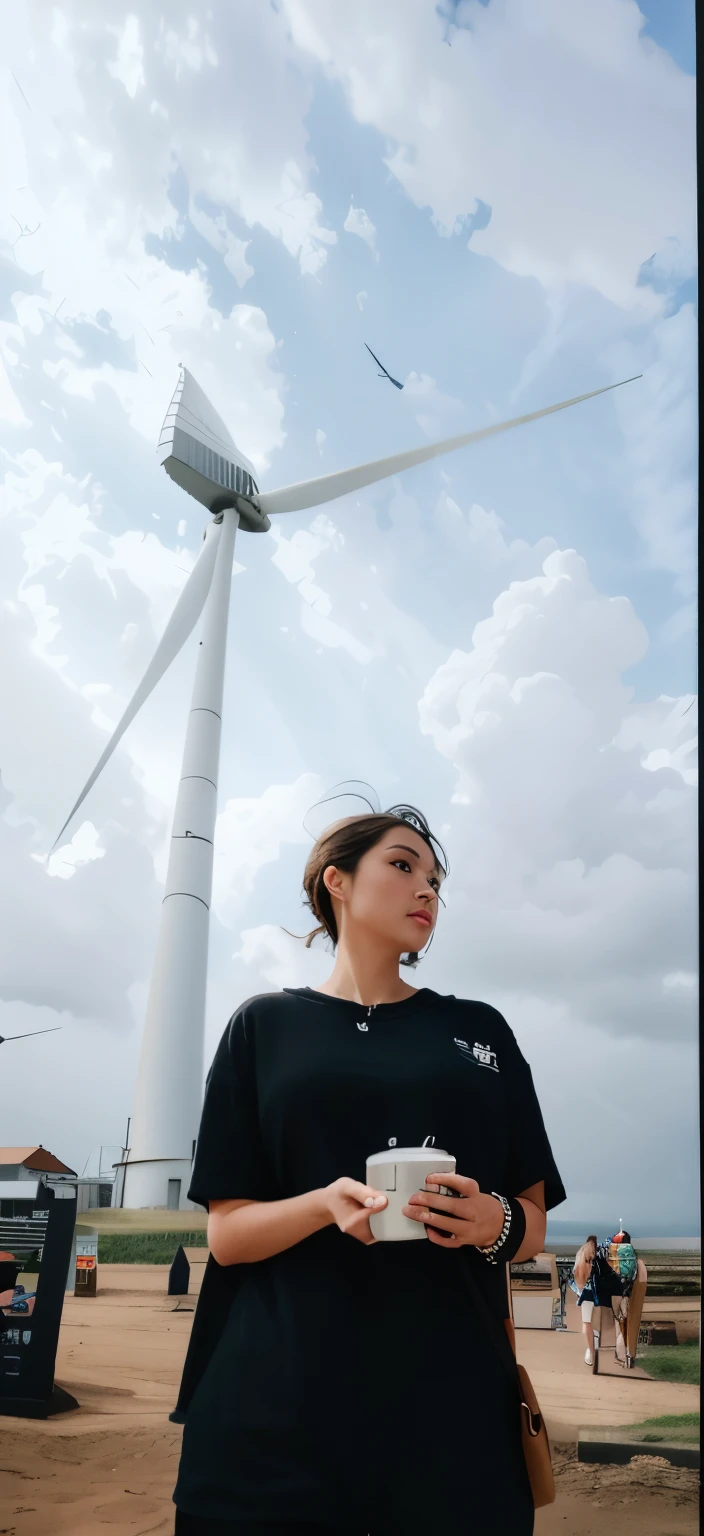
[(625, 1265), (586, 1298), (334, 1383)]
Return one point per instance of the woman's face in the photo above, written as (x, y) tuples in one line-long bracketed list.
[(393, 892), (589, 1251)]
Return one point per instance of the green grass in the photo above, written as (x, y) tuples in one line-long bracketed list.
[(671, 1362), (669, 1426), (146, 1247)]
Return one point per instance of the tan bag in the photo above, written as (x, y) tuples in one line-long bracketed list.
[(536, 1446), (534, 1435)]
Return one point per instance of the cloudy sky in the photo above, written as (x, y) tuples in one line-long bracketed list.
[(499, 198)]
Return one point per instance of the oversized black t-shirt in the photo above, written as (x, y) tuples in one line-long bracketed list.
[(336, 1354)]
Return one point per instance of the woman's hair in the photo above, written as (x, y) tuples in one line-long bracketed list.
[(591, 1239), (625, 1236), (343, 845)]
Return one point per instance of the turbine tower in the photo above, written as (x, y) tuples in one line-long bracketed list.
[(199, 454)]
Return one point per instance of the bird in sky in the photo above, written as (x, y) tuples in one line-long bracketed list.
[(384, 371)]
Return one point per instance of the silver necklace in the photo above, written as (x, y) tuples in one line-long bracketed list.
[(364, 1026)]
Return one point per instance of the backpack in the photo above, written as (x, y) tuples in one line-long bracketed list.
[(606, 1280), (627, 1261)]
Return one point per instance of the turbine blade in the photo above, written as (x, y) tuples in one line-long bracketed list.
[(184, 618), (373, 354), (312, 493), (31, 1033)]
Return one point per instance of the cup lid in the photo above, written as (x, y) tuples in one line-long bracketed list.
[(427, 1155)]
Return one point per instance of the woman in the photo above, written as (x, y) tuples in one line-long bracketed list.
[(586, 1297), (626, 1266), (334, 1383)]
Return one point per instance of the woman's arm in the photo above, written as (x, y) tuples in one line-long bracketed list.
[(247, 1231), (244, 1231), (582, 1271), (533, 1202)]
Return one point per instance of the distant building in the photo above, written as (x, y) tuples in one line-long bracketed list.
[(23, 1216), (21, 1168), (24, 1166), (27, 1162)]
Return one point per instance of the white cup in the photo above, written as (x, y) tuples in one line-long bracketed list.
[(398, 1173)]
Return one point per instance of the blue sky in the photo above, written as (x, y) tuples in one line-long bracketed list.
[(670, 23), (499, 198)]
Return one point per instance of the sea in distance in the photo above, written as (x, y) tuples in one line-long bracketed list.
[(657, 1239)]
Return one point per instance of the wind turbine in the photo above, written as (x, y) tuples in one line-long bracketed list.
[(199, 454)]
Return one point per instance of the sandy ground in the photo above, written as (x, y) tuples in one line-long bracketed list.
[(111, 1465)]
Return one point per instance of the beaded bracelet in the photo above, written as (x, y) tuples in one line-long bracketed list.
[(491, 1252)]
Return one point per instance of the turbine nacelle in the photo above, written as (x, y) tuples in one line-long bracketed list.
[(199, 454)]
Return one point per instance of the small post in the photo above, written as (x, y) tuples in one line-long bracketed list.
[(86, 1275), (85, 1262)]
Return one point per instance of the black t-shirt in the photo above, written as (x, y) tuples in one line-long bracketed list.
[(301, 1363)]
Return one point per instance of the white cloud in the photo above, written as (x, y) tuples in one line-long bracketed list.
[(250, 833), (566, 120), (664, 733), (359, 223), (362, 298), (684, 979), (674, 263), (659, 424), (294, 558), (182, 110), (236, 262), (10, 408), (576, 845), (437, 414), (140, 336), (128, 67), (585, 1073), (82, 849), (232, 249), (279, 960), (96, 931), (320, 438)]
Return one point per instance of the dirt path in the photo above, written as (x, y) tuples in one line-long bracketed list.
[(121, 1481), (111, 1466)]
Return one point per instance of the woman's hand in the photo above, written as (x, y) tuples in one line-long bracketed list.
[(468, 1217), (350, 1204)]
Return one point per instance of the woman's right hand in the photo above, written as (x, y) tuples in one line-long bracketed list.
[(350, 1205)]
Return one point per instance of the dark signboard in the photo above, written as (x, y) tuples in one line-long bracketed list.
[(179, 1274), (30, 1318)]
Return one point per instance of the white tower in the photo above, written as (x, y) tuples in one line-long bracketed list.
[(198, 453)]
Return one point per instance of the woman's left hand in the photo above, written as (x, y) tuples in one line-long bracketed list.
[(469, 1217)]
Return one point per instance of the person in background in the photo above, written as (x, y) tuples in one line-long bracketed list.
[(625, 1264), (586, 1294)]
